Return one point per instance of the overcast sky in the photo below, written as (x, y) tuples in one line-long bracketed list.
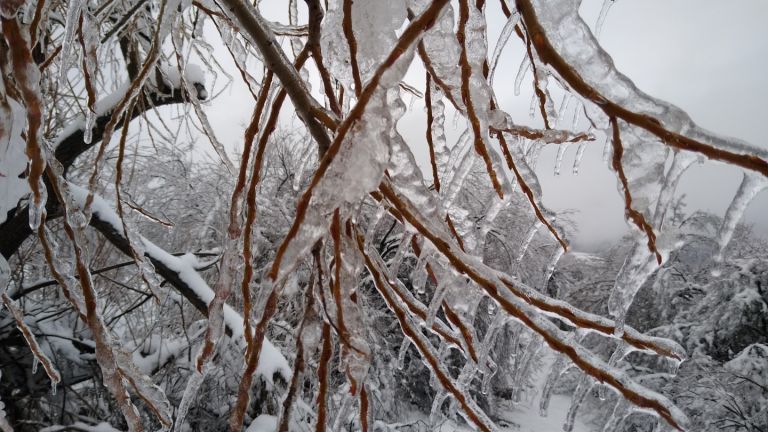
[(706, 56)]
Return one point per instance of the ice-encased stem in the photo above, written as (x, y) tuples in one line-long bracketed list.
[(506, 32), (751, 185)]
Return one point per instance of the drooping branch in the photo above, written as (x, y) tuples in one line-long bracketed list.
[(713, 147), (517, 307)]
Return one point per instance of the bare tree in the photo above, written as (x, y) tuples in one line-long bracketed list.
[(367, 237)]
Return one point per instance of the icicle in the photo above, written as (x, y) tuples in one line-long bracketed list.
[(35, 364), (371, 232), (455, 122), (751, 185), (579, 156), (551, 268), (402, 352), (533, 106), (437, 403), (523, 366), (487, 376), (419, 275), (90, 120), (53, 388), (524, 66), (638, 266), (395, 263), (560, 153), (438, 123), (487, 344), (437, 300), (606, 149), (534, 157), (528, 239), (621, 351), (297, 179), (620, 412), (190, 393), (577, 115), (563, 108), (681, 161), (558, 367), (73, 16), (37, 207), (341, 414), (585, 384), (601, 19), (506, 32)]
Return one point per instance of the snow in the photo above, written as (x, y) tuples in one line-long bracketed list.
[(263, 423), (193, 74), (83, 427), (525, 417)]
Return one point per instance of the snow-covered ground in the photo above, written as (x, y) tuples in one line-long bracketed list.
[(525, 415)]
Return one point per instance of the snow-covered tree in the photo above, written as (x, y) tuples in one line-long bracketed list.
[(320, 279)]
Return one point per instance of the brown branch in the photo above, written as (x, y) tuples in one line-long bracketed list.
[(298, 363), (349, 34), (410, 34), (542, 97), (548, 136), (634, 215), (430, 143), (253, 24), (384, 288), (466, 95), (543, 327), (549, 55), (323, 378), (528, 191), (313, 41)]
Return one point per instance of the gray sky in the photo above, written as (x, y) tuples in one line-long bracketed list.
[(706, 56)]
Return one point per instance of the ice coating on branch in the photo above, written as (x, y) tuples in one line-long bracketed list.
[(374, 24), (443, 50), (540, 323), (355, 171), (90, 42), (643, 162), (572, 39), (528, 238)]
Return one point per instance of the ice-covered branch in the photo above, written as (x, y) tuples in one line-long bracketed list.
[(564, 42)]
